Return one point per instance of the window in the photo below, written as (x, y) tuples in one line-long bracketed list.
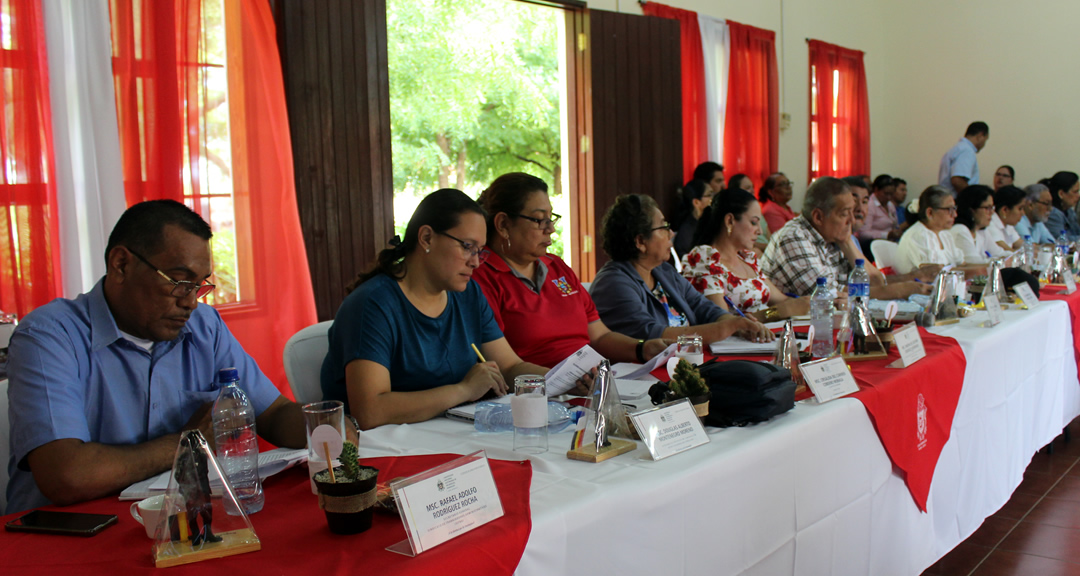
[(477, 89), (202, 141), (839, 112)]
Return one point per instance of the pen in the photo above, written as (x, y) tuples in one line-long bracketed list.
[(733, 306), (987, 252), (477, 350)]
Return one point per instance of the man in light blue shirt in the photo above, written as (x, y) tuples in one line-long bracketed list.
[(959, 167), (1032, 223), (101, 386)]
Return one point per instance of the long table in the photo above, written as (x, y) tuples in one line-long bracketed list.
[(809, 492)]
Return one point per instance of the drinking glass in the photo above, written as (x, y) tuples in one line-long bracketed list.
[(328, 413), (530, 413), (691, 347)]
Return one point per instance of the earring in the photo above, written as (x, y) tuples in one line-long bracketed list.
[(507, 238), (427, 250), (729, 229)]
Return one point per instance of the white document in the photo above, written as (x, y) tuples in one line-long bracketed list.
[(670, 429), (1024, 291), (565, 375), (630, 390), (644, 370), (1070, 281), (909, 343), (993, 308), (737, 345), (829, 378), (447, 501), (270, 462)]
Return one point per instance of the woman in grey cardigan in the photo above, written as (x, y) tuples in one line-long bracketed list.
[(1065, 194), (638, 293)]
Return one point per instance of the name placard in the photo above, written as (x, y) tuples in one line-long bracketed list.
[(993, 308), (908, 342), (670, 429), (829, 378), (445, 502), (1070, 281), (1024, 291)]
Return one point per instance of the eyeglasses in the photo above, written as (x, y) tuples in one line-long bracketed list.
[(989, 208), (181, 288), (471, 250), (1000, 175), (664, 226), (542, 223), (951, 209), (1044, 203)]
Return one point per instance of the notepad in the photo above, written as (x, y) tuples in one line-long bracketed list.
[(270, 462)]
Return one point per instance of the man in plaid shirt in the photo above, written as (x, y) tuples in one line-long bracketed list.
[(818, 243)]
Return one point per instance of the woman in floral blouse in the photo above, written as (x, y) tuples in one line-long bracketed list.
[(723, 262)]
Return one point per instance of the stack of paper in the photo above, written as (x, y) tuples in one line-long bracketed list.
[(737, 345), (270, 462), (565, 375)]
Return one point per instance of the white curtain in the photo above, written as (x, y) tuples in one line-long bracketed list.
[(716, 45), (89, 179)]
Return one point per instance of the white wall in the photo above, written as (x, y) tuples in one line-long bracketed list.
[(933, 66)]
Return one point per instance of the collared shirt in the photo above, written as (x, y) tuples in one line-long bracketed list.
[(1039, 234), (626, 305), (798, 255), (545, 321), (998, 230), (961, 161), (880, 219), (975, 247), (73, 375), (919, 245), (776, 215), (1059, 220)]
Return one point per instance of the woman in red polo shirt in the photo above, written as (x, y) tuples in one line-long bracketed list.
[(541, 307)]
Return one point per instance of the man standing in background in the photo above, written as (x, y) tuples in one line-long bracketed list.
[(959, 167)]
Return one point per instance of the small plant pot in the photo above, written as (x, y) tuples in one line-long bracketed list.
[(348, 505), (885, 335), (701, 404)]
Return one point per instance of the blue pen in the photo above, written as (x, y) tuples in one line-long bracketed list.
[(733, 306), (790, 295), (987, 252)]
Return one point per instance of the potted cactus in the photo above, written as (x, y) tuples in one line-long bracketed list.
[(347, 493), (688, 383)]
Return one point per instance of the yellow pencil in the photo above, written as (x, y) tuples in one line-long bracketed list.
[(477, 350)]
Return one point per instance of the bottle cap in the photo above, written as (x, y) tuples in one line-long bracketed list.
[(860, 262), (228, 375), (821, 281), (1027, 237)]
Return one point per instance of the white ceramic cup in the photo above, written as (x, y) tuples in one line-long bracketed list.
[(148, 512)]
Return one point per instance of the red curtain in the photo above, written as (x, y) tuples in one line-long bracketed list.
[(840, 127), (752, 123), (29, 225), (694, 115), (168, 77)]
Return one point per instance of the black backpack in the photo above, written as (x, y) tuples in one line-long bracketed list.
[(745, 392)]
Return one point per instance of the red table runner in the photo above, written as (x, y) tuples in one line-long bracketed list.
[(1073, 300), (912, 408), (294, 536)]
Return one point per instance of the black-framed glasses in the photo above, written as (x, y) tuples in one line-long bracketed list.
[(470, 249), (664, 226), (949, 208), (543, 223), (989, 208), (1043, 203), (181, 288)]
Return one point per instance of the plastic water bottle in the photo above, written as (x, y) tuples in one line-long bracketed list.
[(492, 417), (237, 443), (821, 319), (858, 282), (1063, 243), (1029, 254)]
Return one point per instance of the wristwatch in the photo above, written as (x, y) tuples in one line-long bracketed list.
[(641, 351), (771, 314)]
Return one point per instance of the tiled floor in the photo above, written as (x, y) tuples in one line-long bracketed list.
[(1037, 533)]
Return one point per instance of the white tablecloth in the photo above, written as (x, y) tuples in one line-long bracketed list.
[(810, 492)]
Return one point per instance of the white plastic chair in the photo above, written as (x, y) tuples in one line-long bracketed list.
[(885, 253), (5, 447), (304, 354), (587, 286)]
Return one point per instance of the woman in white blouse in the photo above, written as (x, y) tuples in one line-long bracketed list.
[(974, 209), (929, 241)]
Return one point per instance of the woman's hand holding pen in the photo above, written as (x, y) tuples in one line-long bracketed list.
[(483, 377)]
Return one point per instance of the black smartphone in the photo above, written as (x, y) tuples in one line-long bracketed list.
[(56, 522)]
